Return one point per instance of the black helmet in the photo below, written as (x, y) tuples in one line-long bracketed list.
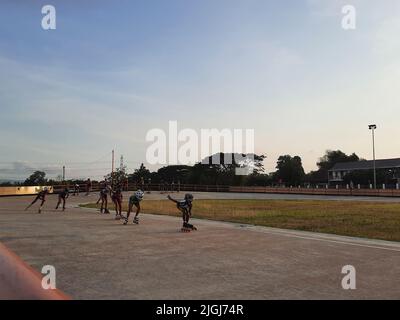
[(189, 197)]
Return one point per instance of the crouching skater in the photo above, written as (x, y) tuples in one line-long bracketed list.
[(40, 196), (185, 206), (134, 200)]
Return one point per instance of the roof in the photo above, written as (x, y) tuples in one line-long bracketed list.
[(367, 164)]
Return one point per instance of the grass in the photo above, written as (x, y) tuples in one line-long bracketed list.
[(375, 220)]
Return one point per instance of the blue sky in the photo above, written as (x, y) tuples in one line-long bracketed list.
[(112, 70)]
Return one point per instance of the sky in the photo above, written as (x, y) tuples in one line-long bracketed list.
[(113, 70)]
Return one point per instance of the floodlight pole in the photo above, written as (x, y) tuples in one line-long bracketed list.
[(372, 127)]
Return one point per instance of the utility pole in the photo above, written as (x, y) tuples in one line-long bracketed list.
[(112, 164), (373, 127), (63, 173), (112, 168)]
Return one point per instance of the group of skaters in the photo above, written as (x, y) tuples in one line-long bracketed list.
[(115, 193)]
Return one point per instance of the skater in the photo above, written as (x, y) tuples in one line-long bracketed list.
[(102, 185), (134, 200), (185, 206), (62, 196), (104, 199), (40, 196), (116, 197), (88, 186), (76, 190)]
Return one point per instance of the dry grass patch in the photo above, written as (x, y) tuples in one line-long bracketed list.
[(377, 220)]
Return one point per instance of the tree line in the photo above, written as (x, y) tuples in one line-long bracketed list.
[(289, 172)]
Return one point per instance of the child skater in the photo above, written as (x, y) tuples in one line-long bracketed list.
[(76, 190), (104, 199), (40, 196), (62, 196), (88, 186), (134, 200), (185, 206), (116, 197)]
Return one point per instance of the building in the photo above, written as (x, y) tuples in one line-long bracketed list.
[(390, 166)]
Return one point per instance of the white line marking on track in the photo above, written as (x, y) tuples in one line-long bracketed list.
[(333, 241)]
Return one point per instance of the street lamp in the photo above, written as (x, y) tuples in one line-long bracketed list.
[(372, 127)]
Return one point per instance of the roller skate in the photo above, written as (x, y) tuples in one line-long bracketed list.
[(118, 217), (106, 211), (190, 226), (136, 220), (126, 221), (186, 228)]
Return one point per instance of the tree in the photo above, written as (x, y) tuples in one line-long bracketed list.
[(366, 177), (174, 173), (330, 158), (326, 162), (290, 170), (138, 174), (257, 179), (38, 178), (119, 177)]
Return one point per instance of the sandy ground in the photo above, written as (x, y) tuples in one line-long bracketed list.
[(96, 257)]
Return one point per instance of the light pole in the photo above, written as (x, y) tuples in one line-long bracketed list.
[(372, 127)]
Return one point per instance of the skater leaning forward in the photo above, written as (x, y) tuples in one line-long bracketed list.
[(134, 200), (185, 206), (40, 196)]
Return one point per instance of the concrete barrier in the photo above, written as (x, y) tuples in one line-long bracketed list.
[(19, 281)]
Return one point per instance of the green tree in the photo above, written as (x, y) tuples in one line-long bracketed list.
[(290, 170), (38, 178), (119, 177), (174, 173), (138, 174), (330, 158), (326, 162)]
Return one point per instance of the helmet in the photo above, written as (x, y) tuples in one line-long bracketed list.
[(188, 197), (139, 194)]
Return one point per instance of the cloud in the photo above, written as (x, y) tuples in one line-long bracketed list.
[(19, 169)]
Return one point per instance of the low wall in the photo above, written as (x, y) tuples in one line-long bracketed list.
[(213, 188), (20, 191), (19, 281)]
